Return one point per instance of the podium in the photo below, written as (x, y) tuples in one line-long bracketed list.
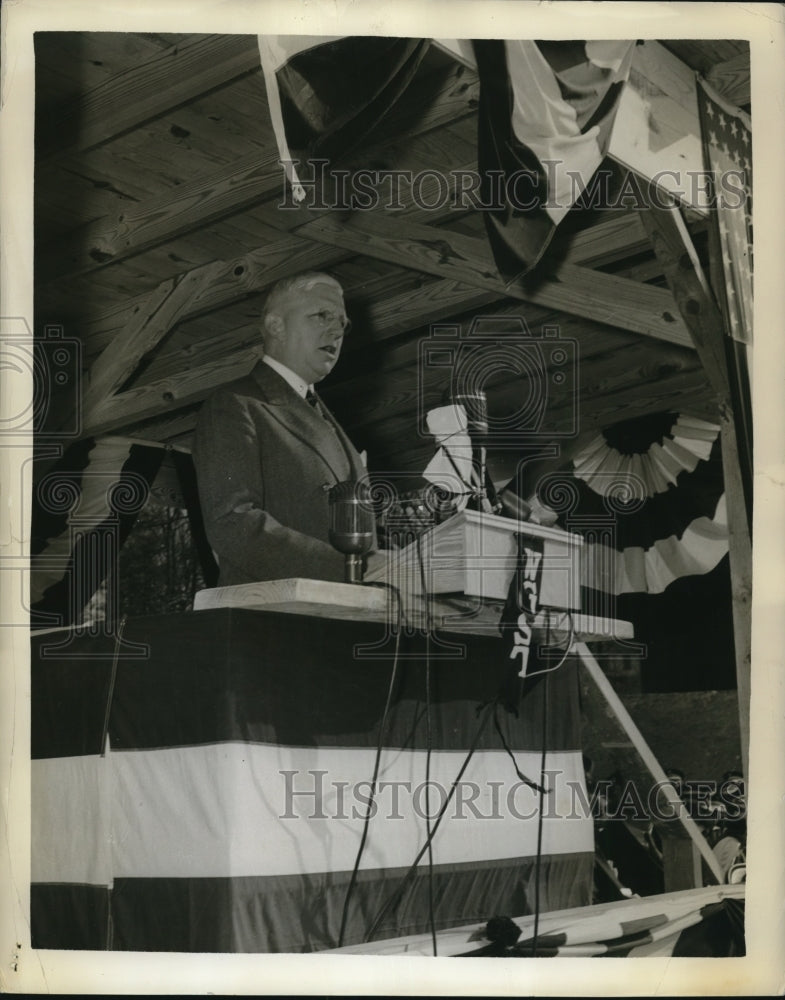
[(201, 782), (466, 564), (224, 808), (475, 554)]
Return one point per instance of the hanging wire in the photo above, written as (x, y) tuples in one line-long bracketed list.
[(405, 882), (428, 740), (112, 679), (540, 818), (377, 761), (563, 660)]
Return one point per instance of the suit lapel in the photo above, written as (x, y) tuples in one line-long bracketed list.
[(358, 469), (322, 435)]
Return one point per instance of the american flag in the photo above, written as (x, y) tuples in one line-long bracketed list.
[(727, 145)]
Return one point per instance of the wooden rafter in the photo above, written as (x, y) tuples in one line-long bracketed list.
[(219, 283), (257, 178), (172, 393), (579, 291), (731, 79), (140, 226), (203, 288), (607, 241), (150, 89)]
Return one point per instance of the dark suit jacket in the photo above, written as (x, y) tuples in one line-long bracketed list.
[(265, 460)]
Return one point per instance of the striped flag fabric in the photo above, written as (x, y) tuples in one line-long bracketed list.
[(695, 923), (545, 118), (212, 796), (665, 495), (648, 497), (326, 94)]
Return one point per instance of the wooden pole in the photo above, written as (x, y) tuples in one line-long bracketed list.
[(675, 251), (647, 756)]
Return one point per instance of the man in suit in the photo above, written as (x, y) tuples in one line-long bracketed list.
[(267, 450)]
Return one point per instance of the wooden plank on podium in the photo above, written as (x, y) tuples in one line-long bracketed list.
[(298, 595), (361, 602)]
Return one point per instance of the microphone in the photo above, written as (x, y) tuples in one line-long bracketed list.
[(352, 528), (475, 405)]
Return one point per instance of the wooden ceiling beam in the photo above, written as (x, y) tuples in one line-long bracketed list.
[(579, 291), (616, 237), (611, 239), (143, 225), (385, 318), (674, 249), (220, 282), (150, 89), (169, 394), (169, 427), (602, 366), (392, 447), (731, 79), (138, 227), (201, 289)]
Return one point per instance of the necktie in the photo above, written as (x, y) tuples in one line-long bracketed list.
[(313, 400)]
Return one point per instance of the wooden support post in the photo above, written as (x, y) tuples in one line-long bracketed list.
[(647, 756), (677, 255)]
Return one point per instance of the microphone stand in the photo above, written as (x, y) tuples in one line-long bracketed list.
[(475, 407)]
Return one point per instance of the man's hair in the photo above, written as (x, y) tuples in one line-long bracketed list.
[(295, 283)]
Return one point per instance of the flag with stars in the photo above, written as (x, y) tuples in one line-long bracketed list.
[(727, 145)]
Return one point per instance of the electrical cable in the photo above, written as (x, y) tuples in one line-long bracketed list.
[(428, 741), (396, 896), (563, 660), (490, 709), (543, 756), (429, 834), (377, 761), (521, 776), (112, 679), (540, 818)]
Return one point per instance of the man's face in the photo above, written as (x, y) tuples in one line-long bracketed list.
[(307, 333)]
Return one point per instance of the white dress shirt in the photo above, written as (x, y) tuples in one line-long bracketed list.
[(299, 385)]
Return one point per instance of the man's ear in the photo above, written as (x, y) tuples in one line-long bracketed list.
[(274, 326)]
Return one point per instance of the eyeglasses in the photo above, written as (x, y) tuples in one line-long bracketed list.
[(325, 319)]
